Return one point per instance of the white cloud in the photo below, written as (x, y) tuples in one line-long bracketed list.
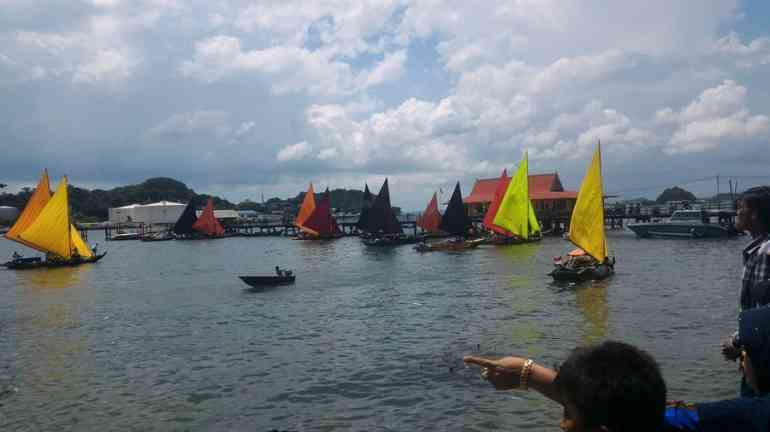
[(107, 65), (289, 69), (183, 125), (718, 116), (294, 152), (389, 69), (756, 52)]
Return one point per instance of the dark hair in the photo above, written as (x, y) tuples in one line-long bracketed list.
[(758, 198), (615, 385)]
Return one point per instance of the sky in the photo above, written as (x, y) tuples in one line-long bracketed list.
[(244, 98)]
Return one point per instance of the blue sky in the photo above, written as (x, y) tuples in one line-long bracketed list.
[(242, 98)]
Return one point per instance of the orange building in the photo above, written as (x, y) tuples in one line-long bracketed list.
[(548, 196)]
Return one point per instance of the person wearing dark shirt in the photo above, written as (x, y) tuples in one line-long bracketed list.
[(752, 216), (744, 413)]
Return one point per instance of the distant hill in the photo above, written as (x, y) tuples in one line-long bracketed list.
[(92, 205)]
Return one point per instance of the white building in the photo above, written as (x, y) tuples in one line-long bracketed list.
[(155, 213), (222, 215)]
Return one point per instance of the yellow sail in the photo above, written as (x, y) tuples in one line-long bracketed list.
[(50, 232), (308, 205), (34, 206), (515, 213), (586, 228), (78, 244)]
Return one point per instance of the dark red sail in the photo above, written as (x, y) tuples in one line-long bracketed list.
[(207, 223), (321, 220), (430, 219)]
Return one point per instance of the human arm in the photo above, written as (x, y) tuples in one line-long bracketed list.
[(505, 374)]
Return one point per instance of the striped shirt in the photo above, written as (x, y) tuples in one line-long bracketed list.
[(756, 269)]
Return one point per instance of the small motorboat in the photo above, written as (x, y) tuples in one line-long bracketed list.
[(266, 281)]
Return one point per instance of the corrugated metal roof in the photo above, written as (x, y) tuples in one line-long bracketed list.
[(541, 186)]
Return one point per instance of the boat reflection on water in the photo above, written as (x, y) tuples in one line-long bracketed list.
[(591, 301), (54, 278)]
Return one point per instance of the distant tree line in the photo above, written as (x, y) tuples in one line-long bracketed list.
[(92, 205)]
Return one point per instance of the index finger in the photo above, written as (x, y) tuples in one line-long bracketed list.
[(480, 361)]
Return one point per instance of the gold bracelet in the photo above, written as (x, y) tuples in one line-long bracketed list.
[(525, 371)]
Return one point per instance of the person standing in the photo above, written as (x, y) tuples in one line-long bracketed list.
[(752, 216)]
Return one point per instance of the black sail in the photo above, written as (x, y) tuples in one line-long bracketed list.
[(380, 218), (455, 220), (366, 204), (184, 225)]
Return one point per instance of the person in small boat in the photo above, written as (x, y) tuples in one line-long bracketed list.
[(612, 386), (753, 216), (17, 256), (278, 271), (744, 413), (94, 248), (576, 259)]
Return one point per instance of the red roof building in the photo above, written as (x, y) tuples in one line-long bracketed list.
[(545, 190)]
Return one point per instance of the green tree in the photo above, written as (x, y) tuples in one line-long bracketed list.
[(675, 194)]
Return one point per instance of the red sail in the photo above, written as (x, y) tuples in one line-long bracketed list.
[(430, 218), (321, 220), (489, 217), (207, 223)]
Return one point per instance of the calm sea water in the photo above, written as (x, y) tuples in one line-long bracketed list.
[(163, 336)]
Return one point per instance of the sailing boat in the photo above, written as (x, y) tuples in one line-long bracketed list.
[(380, 226), (430, 219), (366, 205), (590, 261), (511, 216), (455, 221), (207, 224), (305, 210), (183, 228), (45, 225), (191, 227), (321, 222)]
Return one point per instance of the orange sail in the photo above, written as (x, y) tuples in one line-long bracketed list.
[(431, 217), (489, 216), (207, 223), (321, 220), (308, 205), (35, 205)]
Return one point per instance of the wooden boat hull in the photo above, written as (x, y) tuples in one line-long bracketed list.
[(567, 274), (34, 264), (505, 241), (390, 241), (449, 246), (265, 281)]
